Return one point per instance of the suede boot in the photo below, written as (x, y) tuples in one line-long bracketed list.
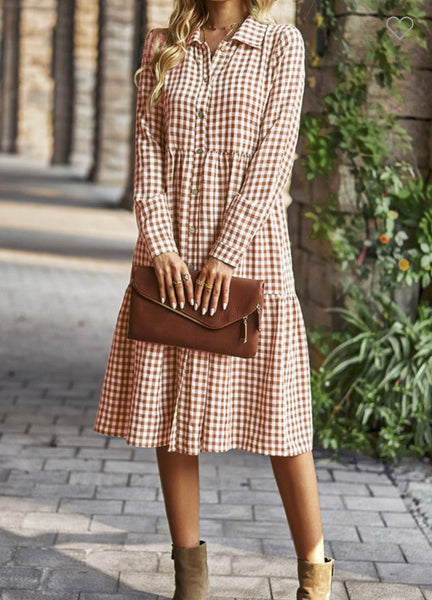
[(315, 579), (191, 572)]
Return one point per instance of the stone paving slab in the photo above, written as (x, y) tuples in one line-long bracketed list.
[(82, 515)]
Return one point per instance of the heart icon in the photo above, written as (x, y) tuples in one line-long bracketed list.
[(399, 22)]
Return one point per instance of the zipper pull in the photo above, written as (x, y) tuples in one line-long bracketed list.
[(244, 338), (258, 308)]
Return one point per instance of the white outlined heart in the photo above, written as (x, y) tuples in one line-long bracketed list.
[(388, 25)]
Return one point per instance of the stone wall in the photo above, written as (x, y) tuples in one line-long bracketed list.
[(316, 276)]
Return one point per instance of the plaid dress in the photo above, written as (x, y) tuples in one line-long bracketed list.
[(212, 160)]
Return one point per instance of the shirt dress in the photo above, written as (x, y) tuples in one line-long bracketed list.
[(212, 160)]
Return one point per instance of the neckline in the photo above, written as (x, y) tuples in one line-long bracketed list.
[(222, 40)]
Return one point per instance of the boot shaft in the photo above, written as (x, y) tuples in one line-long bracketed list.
[(191, 572), (315, 579)]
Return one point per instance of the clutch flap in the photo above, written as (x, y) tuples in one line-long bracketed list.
[(245, 295)]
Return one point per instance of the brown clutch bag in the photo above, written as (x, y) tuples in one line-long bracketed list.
[(233, 331)]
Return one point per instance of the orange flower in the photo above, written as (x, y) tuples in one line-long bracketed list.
[(384, 239), (314, 60), (403, 264)]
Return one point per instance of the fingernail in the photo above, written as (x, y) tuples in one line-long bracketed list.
[(203, 311), (196, 306), (192, 301), (212, 312), (173, 304), (162, 299), (181, 304), (224, 305)]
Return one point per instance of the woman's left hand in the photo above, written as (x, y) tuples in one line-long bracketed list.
[(218, 274)]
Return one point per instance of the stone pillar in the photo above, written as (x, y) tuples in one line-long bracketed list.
[(36, 83), (10, 17), (85, 55), (116, 87)]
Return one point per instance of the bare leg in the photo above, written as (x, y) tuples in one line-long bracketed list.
[(179, 475), (297, 483)]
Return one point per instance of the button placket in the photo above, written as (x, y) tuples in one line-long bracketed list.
[(199, 151)]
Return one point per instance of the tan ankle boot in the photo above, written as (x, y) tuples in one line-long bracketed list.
[(191, 572), (315, 579)]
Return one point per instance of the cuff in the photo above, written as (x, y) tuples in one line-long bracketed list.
[(154, 223), (238, 228), (225, 253)]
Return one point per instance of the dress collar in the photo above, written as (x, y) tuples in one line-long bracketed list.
[(251, 31)]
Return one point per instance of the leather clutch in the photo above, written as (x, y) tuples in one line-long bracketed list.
[(234, 331)]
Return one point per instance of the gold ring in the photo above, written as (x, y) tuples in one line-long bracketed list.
[(200, 281), (209, 286), (177, 282)]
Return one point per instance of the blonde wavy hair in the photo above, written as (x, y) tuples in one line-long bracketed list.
[(186, 16)]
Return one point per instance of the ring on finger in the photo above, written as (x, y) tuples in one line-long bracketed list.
[(177, 282), (185, 276), (209, 286), (200, 281)]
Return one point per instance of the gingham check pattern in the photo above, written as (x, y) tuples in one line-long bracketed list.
[(212, 159)]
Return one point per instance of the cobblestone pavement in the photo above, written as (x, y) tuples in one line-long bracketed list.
[(82, 515)]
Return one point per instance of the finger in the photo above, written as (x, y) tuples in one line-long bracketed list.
[(225, 291), (189, 286), (161, 281), (207, 294), (178, 287), (170, 288), (215, 295), (199, 288)]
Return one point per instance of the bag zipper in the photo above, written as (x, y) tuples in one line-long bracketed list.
[(244, 338), (245, 318)]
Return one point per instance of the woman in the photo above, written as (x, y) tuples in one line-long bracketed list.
[(218, 110)]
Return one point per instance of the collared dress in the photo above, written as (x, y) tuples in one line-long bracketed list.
[(212, 160)]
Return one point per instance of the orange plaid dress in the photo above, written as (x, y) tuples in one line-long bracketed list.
[(212, 159)]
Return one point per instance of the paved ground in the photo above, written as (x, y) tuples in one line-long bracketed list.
[(82, 515)]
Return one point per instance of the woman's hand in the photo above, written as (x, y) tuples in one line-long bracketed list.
[(218, 274), (169, 267)]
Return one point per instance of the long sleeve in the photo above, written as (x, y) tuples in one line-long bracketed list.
[(150, 199), (271, 164)]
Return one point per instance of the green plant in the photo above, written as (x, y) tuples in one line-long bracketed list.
[(373, 391), (351, 129)]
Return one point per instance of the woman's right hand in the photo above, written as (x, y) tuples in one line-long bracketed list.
[(170, 267)]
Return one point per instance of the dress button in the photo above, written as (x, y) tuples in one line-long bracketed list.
[(191, 267), (222, 48), (192, 229), (194, 191), (198, 150), (205, 78), (200, 113)]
